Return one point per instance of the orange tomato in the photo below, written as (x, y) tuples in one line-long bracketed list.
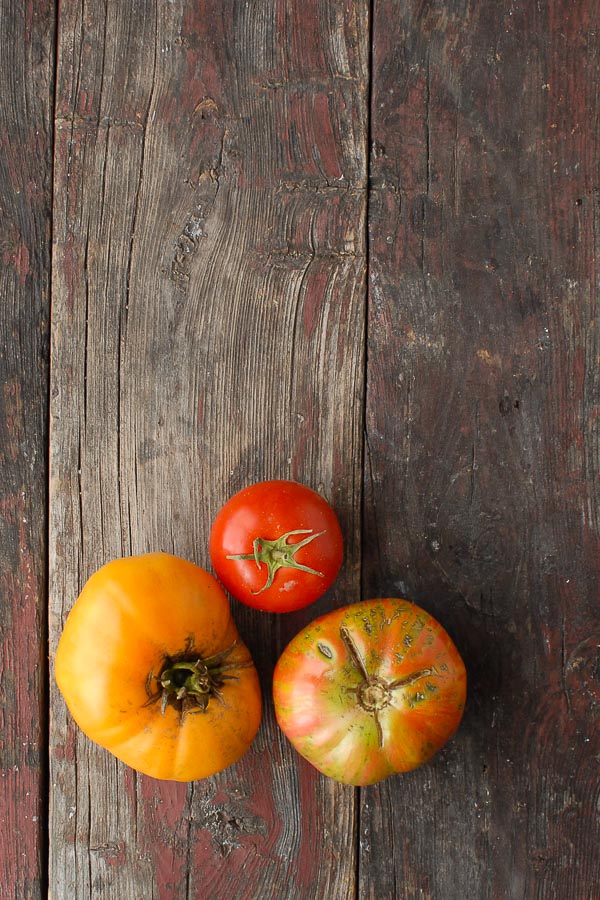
[(369, 690), (152, 668)]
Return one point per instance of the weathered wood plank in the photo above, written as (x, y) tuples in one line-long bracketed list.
[(482, 491), (208, 316), (26, 76)]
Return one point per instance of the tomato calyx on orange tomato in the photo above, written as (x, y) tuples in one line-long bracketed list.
[(187, 681), (278, 554)]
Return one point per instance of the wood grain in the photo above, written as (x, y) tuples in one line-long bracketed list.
[(209, 328), (481, 478), (208, 331), (26, 75)]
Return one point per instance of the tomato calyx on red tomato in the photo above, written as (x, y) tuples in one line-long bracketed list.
[(278, 554), (374, 693), (187, 681)]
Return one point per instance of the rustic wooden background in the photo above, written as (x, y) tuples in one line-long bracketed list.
[(352, 243)]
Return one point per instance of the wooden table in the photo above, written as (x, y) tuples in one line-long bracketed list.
[(351, 244)]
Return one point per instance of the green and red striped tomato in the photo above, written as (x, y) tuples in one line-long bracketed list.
[(370, 690)]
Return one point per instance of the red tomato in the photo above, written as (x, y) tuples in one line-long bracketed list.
[(276, 546), (370, 690)]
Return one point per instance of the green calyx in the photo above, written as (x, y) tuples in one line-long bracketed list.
[(188, 681), (278, 554)]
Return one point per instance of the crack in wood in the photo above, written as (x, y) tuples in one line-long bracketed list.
[(93, 123), (193, 232), (227, 824)]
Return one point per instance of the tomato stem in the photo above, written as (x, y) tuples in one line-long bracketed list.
[(279, 554), (375, 693), (352, 649), (412, 678), (187, 681)]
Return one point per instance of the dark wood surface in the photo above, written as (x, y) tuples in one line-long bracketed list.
[(351, 244), (26, 79), (481, 474)]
